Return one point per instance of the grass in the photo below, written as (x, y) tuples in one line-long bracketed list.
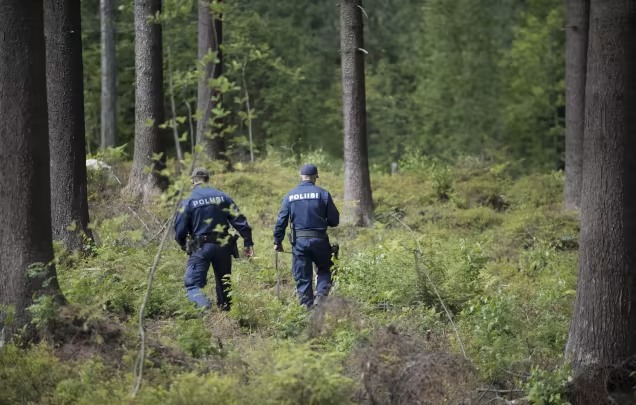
[(500, 251)]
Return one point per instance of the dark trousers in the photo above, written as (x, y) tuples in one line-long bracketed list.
[(196, 274), (307, 251)]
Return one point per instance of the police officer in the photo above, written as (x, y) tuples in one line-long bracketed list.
[(205, 217), (310, 209)]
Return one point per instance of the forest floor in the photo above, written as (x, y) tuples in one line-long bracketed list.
[(461, 292)]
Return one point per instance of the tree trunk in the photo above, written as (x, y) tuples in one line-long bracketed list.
[(25, 191), (65, 96), (109, 75), (577, 14), (210, 39), (603, 329), (149, 108), (358, 209)]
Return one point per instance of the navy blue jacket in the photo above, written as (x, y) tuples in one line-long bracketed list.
[(307, 207), (209, 210)]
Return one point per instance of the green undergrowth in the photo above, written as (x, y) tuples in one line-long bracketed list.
[(468, 243)]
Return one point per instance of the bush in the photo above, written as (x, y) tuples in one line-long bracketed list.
[(297, 374), (193, 389), (548, 387), (29, 376)]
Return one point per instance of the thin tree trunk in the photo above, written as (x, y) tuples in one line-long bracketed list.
[(603, 329), (210, 38), (173, 109), (109, 75), (25, 190), (65, 96), (576, 42), (149, 108), (248, 111), (358, 208)]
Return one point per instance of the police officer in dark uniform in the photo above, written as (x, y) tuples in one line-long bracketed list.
[(205, 217), (310, 209)]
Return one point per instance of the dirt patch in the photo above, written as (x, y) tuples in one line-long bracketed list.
[(327, 316), (397, 369), (78, 338)]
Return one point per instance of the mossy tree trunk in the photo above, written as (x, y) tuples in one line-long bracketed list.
[(26, 249), (210, 40), (109, 75), (576, 33), (603, 329), (358, 203), (65, 97), (149, 158)]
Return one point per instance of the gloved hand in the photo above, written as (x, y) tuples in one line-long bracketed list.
[(278, 247)]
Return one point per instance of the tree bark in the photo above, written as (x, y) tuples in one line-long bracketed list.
[(576, 41), (65, 96), (210, 39), (109, 75), (603, 329), (25, 190), (358, 208), (149, 108)]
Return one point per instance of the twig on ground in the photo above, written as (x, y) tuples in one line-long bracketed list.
[(496, 391), (151, 215), (159, 232), (138, 217)]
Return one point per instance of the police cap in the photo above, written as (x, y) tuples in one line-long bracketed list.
[(309, 170), (201, 172)]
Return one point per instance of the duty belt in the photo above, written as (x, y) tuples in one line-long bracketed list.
[(309, 233), (210, 238)]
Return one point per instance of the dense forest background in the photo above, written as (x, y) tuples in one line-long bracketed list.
[(486, 242), (444, 78)]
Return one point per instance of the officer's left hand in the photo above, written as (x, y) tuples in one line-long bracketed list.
[(248, 251)]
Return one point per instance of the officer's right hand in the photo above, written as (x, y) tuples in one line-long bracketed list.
[(248, 251), (278, 247)]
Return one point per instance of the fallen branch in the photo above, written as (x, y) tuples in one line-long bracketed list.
[(159, 232), (138, 218), (511, 391)]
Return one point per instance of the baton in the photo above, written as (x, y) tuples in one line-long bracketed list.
[(277, 277)]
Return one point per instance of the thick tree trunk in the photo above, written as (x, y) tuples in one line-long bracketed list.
[(149, 108), (109, 75), (65, 96), (25, 191), (577, 14), (210, 39), (358, 209), (603, 329)]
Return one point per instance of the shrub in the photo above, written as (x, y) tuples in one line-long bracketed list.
[(297, 374), (29, 376)]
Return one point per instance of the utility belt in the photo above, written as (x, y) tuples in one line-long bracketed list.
[(309, 233), (306, 233), (198, 241), (213, 237)]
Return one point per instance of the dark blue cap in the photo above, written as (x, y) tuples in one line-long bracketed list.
[(309, 170)]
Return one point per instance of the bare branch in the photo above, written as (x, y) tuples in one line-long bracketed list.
[(363, 12)]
